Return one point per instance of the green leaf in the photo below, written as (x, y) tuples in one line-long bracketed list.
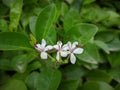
[(77, 5), (19, 63), (34, 65), (93, 13), (102, 45), (70, 19), (114, 59), (64, 9), (52, 36), (5, 64), (72, 77), (73, 72), (14, 85), (14, 41), (32, 81), (90, 54), (95, 85), (20, 76), (44, 22), (46, 80), (7, 2), (88, 1), (82, 33), (48, 76), (99, 75), (32, 24), (115, 74), (15, 13), (117, 87), (114, 45), (69, 85), (105, 36), (3, 25), (4, 77)]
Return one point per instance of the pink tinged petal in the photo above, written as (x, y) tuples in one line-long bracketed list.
[(49, 47), (58, 56), (74, 45), (43, 43), (38, 45), (64, 54), (72, 58), (56, 47), (43, 55), (78, 51)]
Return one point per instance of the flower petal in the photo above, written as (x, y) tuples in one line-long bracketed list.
[(59, 43), (69, 45), (58, 56), (49, 47), (78, 51), (64, 54), (56, 47), (65, 47), (43, 43), (72, 58), (43, 55), (38, 45), (74, 45)]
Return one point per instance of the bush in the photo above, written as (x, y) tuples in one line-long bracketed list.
[(59, 45)]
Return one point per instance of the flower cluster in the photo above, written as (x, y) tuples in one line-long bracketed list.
[(62, 50)]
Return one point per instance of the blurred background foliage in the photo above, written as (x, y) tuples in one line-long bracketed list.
[(98, 68)]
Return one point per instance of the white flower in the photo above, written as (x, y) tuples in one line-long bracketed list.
[(61, 50), (74, 50), (43, 48)]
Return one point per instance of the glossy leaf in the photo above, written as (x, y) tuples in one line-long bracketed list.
[(69, 85), (32, 24), (90, 54), (47, 77), (42, 81), (117, 87), (19, 63), (95, 85), (5, 64), (88, 1), (114, 45), (14, 41), (115, 74), (82, 32), (32, 81), (34, 65), (15, 13), (105, 36), (44, 22), (114, 59), (7, 2), (72, 75), (71, 70), (99, 75), (3, 25), (102, 45), (14, 85), (52, 36), (71, 18), (4, 77)]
